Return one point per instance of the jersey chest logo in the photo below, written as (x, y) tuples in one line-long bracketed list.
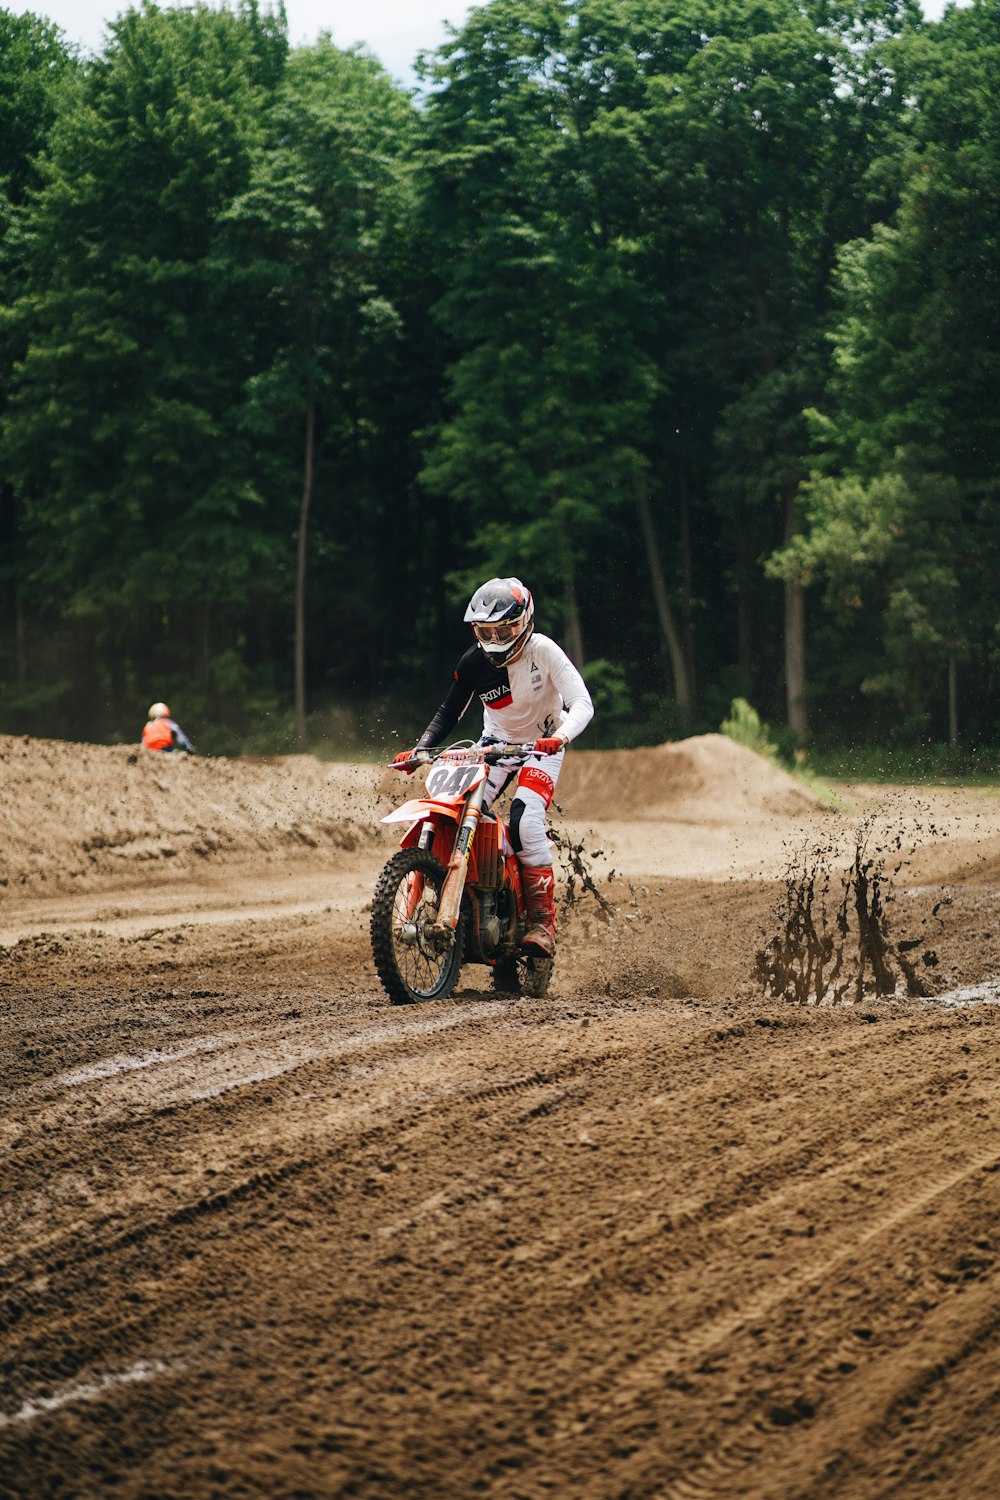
[(497, 696)]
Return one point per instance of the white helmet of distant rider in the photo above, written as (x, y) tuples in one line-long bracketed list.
[(158, 711), (502, 615)]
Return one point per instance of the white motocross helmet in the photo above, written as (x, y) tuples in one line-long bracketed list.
[(502, 614)]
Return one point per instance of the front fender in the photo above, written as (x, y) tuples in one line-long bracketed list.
[(420, 810), (424, 807)]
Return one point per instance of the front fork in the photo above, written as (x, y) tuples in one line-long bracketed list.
[(458, 866)]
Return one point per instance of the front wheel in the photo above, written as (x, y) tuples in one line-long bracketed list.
[(411, 959)]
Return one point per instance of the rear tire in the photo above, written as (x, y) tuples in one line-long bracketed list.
[(410, 965), (522, 974)]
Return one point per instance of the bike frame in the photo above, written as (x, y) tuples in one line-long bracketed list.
[(448, 824)]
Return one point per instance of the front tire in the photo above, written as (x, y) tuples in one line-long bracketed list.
[(411, 964)]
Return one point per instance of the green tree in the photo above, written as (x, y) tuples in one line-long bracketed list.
[(904, 511), (642, 205), (34, 64), (306, 244), (762, 147), (36, 67), (549, 389), (122, 436)]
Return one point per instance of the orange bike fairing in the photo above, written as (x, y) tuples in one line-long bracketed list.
[(486, 853)]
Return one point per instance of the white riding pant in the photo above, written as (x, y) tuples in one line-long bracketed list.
[(536, 784)]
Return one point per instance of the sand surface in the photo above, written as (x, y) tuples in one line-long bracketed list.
[(662, 1234)]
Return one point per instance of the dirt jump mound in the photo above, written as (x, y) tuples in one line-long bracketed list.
[(80, 815), (708, 778), (75, 815)]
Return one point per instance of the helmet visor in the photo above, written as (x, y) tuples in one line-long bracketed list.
[(498, 633)]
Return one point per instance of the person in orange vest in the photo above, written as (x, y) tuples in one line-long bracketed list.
[(161, 733)]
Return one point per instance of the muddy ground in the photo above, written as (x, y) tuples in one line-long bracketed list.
[(662, 1234)]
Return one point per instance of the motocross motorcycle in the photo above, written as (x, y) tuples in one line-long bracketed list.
[(452, 893)]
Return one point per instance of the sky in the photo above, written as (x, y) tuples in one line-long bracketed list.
[(395, 30)]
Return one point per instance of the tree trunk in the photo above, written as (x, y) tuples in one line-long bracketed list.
[(572, 630), (953, 703), (116, 682), (262, 626), (744, 614), (300, 582), (204, 651), (687, 567), (20, 641), (664, 613), (795, 635), (571, 615)]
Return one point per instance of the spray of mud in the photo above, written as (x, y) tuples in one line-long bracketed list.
[(835, 944), (580, 873), (602, 952)]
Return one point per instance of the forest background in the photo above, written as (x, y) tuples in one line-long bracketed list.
[(684, 311)]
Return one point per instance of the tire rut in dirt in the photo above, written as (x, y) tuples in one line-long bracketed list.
[(582, 1246)]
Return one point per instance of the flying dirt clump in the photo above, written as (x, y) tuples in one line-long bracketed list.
[(578, 871), (835, 943)]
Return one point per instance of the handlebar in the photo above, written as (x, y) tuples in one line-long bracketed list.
[(491, 754)]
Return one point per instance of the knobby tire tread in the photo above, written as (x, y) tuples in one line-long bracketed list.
[(403, 863), (521, 974)]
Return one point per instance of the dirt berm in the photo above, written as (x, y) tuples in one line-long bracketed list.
[(77, 815)]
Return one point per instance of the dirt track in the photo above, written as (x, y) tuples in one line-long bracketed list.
[(655, 1236)]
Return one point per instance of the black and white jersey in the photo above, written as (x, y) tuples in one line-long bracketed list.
[(541, 693)]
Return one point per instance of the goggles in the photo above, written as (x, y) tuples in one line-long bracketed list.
[(498, 633)]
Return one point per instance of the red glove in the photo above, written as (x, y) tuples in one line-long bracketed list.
[(402, 761), (549, 745)]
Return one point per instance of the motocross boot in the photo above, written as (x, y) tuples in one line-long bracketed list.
[(540, 900)]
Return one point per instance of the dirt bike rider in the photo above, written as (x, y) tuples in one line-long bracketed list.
[(530, 691), (162, 733)]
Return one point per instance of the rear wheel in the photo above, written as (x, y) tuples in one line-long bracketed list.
[(522, 974), (412, 961)]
